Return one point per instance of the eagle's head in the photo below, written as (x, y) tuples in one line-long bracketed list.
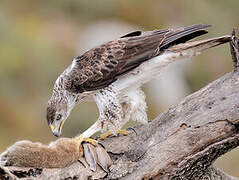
[(57, 112)]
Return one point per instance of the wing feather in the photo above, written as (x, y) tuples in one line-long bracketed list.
[(101, 66)]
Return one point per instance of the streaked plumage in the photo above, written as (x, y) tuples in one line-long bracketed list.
[(113, 72)]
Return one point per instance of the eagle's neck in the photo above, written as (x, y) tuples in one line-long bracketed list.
[(71, 99), (62, 94)]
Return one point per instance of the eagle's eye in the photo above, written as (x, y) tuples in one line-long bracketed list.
[(58, 117)]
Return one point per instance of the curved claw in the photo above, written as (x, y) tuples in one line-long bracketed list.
[(130, 128)]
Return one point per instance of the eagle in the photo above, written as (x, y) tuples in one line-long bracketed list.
[(112, 74)]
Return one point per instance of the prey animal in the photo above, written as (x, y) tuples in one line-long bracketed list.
[(111, 74)]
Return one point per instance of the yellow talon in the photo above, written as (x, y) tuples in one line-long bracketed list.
[(81, 139), (108, 133)]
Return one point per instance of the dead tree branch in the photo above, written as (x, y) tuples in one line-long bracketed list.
[(181, 143)]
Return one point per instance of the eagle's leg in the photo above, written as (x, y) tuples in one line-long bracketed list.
[(126, 106), (110, 110), (133, 106), (110, 113)]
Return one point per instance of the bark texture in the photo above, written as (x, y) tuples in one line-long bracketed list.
[(181, 143)]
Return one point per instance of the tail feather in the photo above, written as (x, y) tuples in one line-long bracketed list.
[(200, 45), (184, 35)]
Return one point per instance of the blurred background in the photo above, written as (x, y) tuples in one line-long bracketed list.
[(39, 39)]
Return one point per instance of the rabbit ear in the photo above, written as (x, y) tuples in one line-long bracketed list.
[(104, 159), (90, 156)]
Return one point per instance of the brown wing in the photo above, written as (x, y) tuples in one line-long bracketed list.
[(102, 65)]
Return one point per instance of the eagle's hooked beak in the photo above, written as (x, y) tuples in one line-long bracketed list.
[(56, 130), (52, 127)]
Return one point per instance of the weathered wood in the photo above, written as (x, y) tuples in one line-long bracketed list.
[(234, 46), (215, 174), (181, 143)]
